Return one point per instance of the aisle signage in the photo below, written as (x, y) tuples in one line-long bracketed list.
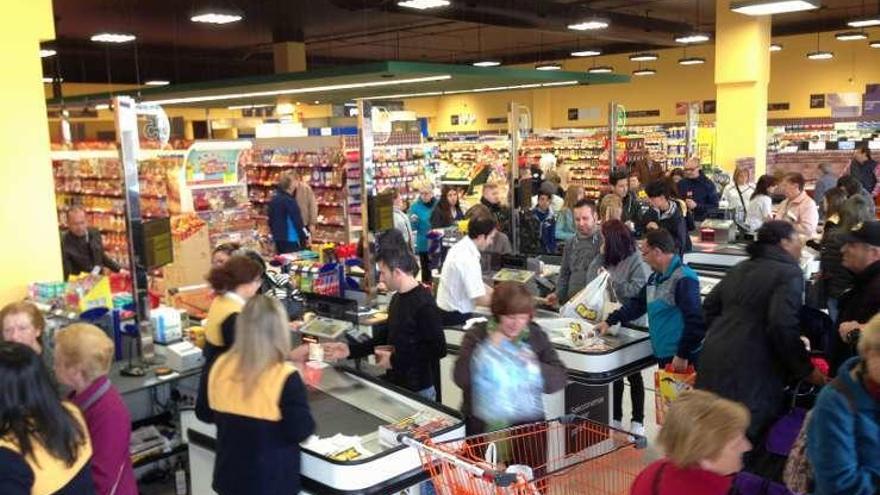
[(817, 101), (635, 114)]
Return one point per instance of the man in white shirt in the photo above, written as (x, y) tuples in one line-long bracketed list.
[(461, 286)]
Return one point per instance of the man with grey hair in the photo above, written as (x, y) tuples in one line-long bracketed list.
[(81, 246), (825, 182)]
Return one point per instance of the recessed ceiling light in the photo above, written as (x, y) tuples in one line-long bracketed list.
[(865, 22), (113, 37), (820, 55), (157, 82), (691, 61), (216, 17), (47, 52), (692, 38), (644, 57), (600, 69), (874, 44), (589, 25), (586, 53), (487, 63), (549, 66), (775, 47), (851, 36), (769, 7), (644, 72), (424, 4)]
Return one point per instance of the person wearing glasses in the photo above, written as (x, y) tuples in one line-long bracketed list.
[(698, 192)]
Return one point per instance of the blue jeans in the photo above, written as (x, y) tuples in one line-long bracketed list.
[(429, 393)]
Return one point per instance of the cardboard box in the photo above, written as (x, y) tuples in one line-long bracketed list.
[(192, 261)]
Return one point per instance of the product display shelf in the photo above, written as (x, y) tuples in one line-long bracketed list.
[(93, 181), (822, 135), (583, 158), (463, 159)]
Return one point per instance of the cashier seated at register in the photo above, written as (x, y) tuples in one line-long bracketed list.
[(81, 246), (461, 286), (415, 330)]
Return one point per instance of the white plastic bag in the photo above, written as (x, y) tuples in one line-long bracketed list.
[(591, 303)]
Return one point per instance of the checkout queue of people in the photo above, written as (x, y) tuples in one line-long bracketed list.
[(743, 341)]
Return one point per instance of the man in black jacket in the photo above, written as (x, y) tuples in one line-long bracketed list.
[(861, 255), (285, 220), (667, 213), (632, 208), (81, 246)]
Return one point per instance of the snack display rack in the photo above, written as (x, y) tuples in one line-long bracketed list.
[(463, 159), (583, 155)]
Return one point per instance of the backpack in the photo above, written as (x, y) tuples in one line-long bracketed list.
[(798, 474)]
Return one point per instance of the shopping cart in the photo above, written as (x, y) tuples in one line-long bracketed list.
[(564, 456)]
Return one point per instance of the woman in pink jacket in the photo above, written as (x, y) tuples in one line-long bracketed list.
[(83, 354)]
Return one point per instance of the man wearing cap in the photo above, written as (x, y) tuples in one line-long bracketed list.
[(861, 255)]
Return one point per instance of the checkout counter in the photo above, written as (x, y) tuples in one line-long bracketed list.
[(350, 452)]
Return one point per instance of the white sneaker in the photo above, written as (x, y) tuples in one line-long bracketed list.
[(637, 428), (615, 424)]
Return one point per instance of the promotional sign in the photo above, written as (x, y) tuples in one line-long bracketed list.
[(872, 100), (212, 167)]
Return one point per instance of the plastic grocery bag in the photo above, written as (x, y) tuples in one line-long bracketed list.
[(668, 385), (591, 303), (507, 383)]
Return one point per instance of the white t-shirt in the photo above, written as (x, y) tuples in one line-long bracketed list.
[(461, 280), (760, 210)]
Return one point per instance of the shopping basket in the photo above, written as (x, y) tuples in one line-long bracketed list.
[(565, 456)]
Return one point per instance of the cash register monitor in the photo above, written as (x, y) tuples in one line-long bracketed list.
[(337, 308)]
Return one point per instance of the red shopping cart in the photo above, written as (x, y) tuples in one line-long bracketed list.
[(564, 456)]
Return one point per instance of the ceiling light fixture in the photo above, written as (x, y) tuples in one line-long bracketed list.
[(586, 53), (851, 36), (113, 37), (600, 69), (644, 72), (548, 66), (243, 107), (487, 63), (474, 90), (865, 22), (589, 25), (770, 7), (820, 55), (775, 47), (644, 57), (691, 61), (47, 52), (689, 39), (157, 82), (313, 89), (50, 80), (423, 4), (219, 18), (102, 106), (874, 44)]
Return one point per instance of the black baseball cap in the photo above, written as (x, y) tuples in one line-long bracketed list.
[(867, 232)]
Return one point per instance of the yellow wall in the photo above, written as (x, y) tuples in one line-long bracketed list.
[(27, 198), (792, 79)]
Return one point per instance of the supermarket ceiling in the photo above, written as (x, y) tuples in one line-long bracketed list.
[(345, 32)]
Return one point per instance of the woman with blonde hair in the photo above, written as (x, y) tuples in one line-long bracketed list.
[(258, 402), (565, 228), (83, 354), (703, 439)]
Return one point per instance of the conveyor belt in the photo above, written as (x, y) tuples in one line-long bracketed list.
[(334, 416)]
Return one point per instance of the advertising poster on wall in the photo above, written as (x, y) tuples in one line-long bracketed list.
[(872, 100), (845, 104)]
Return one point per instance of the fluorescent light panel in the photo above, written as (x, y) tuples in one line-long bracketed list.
[(102, 106), (757, 8), (691, 61), (586, 53), (315, 89), (423, 4), (216, 18), (644, 57), (157, 82), (487, 63), (113, 37), (600, 69), (874, 44), (820, 55), (692, 38), (851, 36), (47, 52), (549, 66), (866, 22), (644, 72), (474, 90), (589, 25), (775, 47)]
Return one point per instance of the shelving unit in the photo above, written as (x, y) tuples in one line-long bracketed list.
[(583, 156), (464, 158)]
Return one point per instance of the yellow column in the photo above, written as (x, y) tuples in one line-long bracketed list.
[(742, 73), (541, 110), (27, 195), (289, 57)]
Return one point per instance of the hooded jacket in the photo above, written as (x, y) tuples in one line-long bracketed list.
[(420, 217), (674, 221), (702, 191), (285, 220), (577, 257)]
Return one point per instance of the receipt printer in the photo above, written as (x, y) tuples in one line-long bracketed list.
[(181, 356)]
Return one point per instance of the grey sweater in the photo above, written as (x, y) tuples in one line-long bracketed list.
[(577, 265), (627, 278)]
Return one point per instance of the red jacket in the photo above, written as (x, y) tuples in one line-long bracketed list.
[(665, 478), (110, 431)]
